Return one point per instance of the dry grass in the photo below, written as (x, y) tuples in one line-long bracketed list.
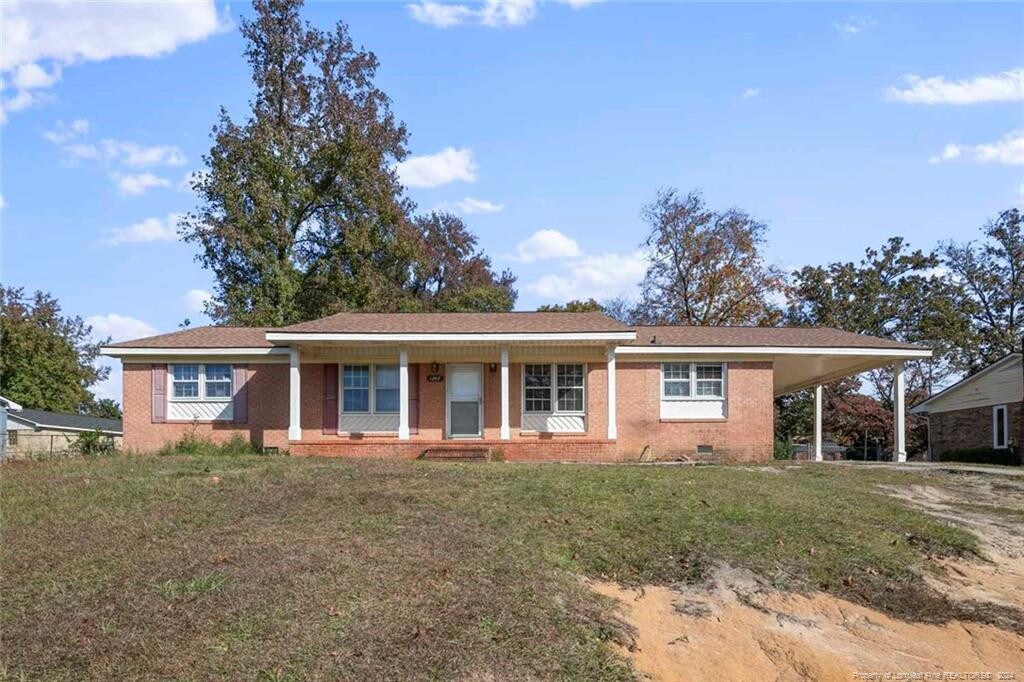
[(279, 568)]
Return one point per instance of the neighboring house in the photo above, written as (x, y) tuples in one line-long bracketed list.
[(530, 385), (39, 432), (981, 411)]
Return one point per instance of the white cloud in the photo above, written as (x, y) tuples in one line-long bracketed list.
[(1002, 87), (508, 12), (434, 170), (1008, 151), (544, 244), (751, 92), (118, 328), (136, 156), (63, 133), (31, 76), (148, 230), (3, 204), (195, 300), (440, 15), (854, 25), (600, 276), (950, 151), (493, 13), (37, 35), (138, 184), (471, 206), (109, 151)]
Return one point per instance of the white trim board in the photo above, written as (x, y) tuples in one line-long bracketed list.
[(115, 352), (773, 350)]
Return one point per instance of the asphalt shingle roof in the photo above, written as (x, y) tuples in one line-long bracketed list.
[(62, 420)]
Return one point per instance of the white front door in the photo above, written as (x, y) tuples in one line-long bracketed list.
[(465, 401)]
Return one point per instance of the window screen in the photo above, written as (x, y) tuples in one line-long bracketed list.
[(570, 388), (537, 388), (185, 381), (356, 388)]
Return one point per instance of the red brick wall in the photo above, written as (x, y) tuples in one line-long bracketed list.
[(746, 434), (970, 428), (268, 411)]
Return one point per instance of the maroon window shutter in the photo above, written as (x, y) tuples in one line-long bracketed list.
[(240, 403), (414, 398), (331, 398), (159, 393)]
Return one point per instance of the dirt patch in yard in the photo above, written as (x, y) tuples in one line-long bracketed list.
[(990, 507), (734, 627)]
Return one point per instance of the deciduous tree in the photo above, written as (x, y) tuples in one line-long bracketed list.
[(301, 210), (706, 266), (575, 306), (449, 272), (988, 277), (47, 360)]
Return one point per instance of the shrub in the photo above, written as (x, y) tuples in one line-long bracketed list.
[(192, 444), (783, 449), (1005, 456), (93, 444)]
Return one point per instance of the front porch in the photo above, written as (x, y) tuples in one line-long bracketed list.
[(382, 399)]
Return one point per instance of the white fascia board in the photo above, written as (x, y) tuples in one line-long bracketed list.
[(1005, 360), (772, 350), (117, 352), (451, 338)]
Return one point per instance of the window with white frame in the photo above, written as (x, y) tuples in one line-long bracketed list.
[(201, 382), (693, 381), (554, 389), (1000, 427), (370, 389)]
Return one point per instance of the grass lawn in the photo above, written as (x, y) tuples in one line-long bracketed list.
[(278, 568)]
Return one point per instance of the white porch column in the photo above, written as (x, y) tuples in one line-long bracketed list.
[(899, 413), (506, 431), (294, 382), (817, 423), (613, 431), (403, 394)]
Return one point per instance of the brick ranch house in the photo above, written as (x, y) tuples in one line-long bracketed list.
[(984, 410), (527, 385)]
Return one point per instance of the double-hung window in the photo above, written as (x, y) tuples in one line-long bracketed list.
[(201, 382), (554, 389), (692, 381), (385, 389), (1000, 427), (370, 389), (356, 388)]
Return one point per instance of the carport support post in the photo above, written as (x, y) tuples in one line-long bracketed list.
[(817, 423), (613, 430), (294, 428), (899, 413), (506, 432), (403, 394)]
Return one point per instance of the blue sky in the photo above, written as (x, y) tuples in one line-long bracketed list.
[(546, 124)]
